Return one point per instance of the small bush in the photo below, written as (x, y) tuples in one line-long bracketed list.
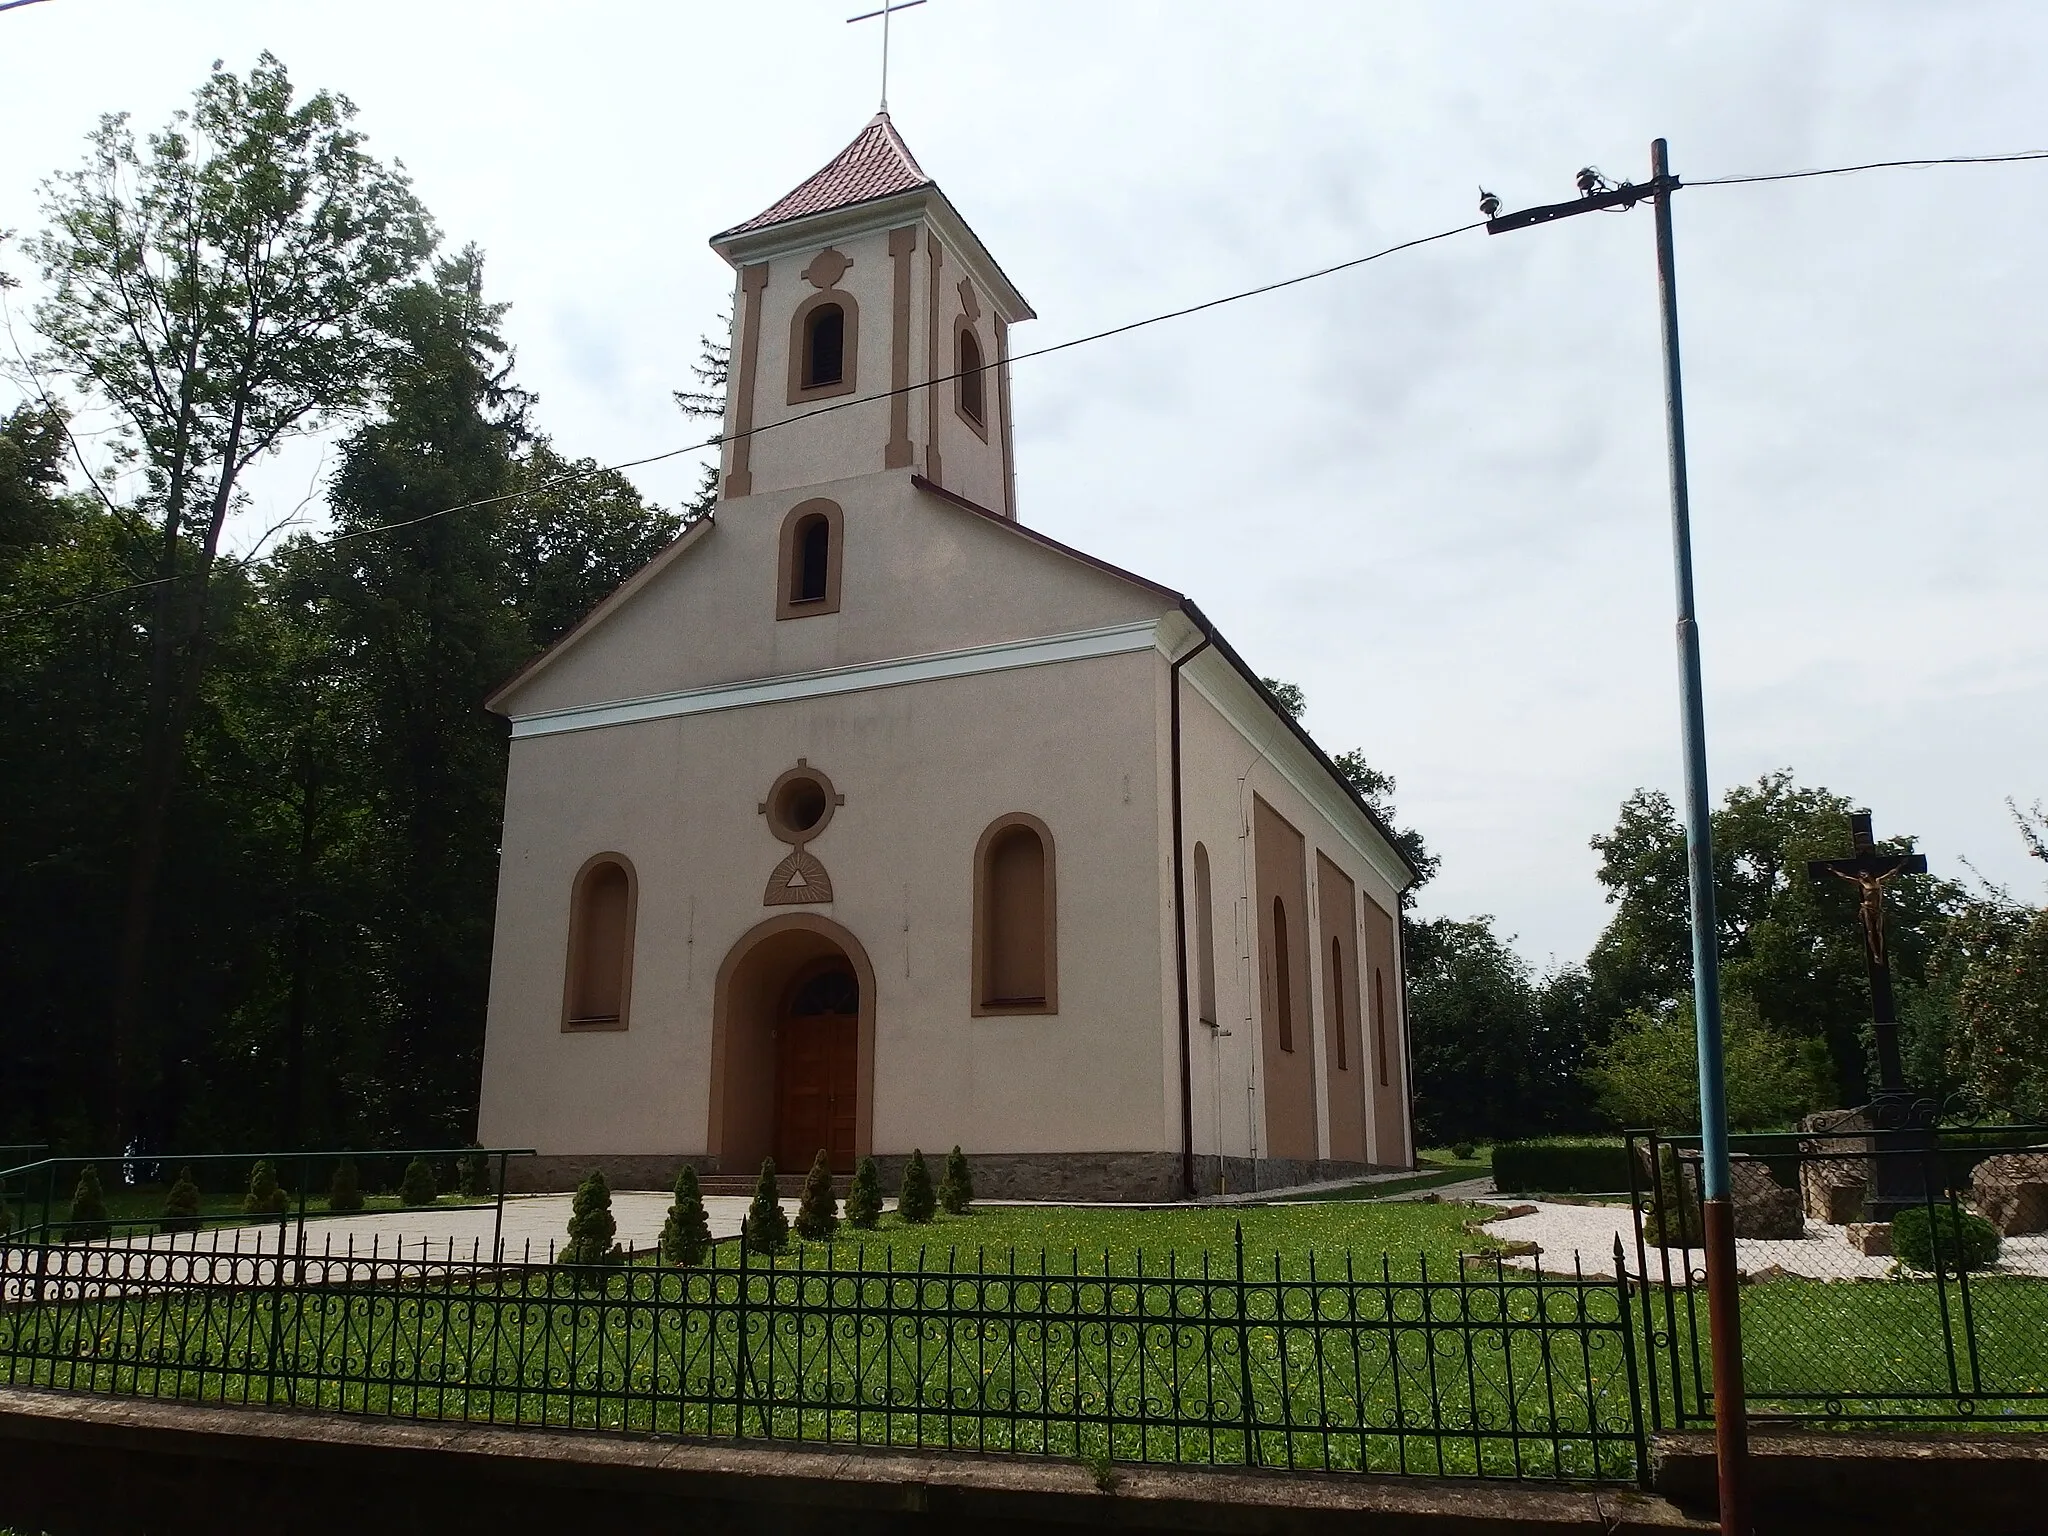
[(956, 1189), (766, 1229), (686, 1234), (1464, 1151), (473, 1175), (181, 1205), (916, 1202), (417, 1188), (817, 1214), (1957, 1239), (264, 1197), (591, 1227), (345, 1194), (864, 1200), (89, 1206), (1560, 1167), (1675, 1218)]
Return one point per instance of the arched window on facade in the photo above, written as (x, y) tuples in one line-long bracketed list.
[(1015, 919), (600, 970), (1339, 1025), (810, 560), (972, 384), (1283, 984), (1379, 1022), (824, 346), (1205, 939)]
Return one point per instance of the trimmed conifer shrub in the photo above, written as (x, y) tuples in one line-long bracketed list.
[(181, 1205), (766, 1229), (592, 1229), (345, 1193), (864, 1200), (686, 1234), (417, 1188), (264, 1197), (817, 1214), (473, 1175), (89, 1206), (916, 1202), (1943, 1238), (956, 1189)]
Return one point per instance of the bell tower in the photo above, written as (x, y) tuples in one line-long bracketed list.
[(871, 334)]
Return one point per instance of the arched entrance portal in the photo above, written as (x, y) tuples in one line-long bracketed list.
[(793, 1047)]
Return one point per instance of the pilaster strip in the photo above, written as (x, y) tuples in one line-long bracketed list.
[(936, 364), (739, 480), (902, 244)]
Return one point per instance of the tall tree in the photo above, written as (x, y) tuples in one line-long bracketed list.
[(713, 369), (220, 293), (1375, 788)]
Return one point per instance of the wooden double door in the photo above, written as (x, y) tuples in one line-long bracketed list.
[(817, 1068)]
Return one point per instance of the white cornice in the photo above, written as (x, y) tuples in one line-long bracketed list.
[(1216, 680), (1010, 655)]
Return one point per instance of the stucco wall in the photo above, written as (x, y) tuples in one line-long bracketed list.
[(924, 769)]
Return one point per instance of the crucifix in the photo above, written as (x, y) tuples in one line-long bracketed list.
[(889, 8), (1870, 872)]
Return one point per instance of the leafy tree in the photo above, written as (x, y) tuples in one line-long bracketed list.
[(592, 1229), (1794, 947), (686, 1232), (817, 1213), (1471, 1013), (864, 1199), (33, 506), (264, 1197), (1375, 788), (181, 1205), (916, 1202), (417, 1187), (956, 1189), (88, 1218), (345, 1194), (766, 1228), (1649, 1074), (219, 294), (1992, 974)]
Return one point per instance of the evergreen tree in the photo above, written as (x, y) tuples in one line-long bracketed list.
[(915, 1202), (591, 1227), (817, 1215), (345, 1194), (864, 1200), (956, 1189), (417, 1188), (89, 1207), (472, 1175), (181, 1205), (766, 1229), (686, 1234), (264, 1197)]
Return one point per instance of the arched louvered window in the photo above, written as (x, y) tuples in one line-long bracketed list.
[(1205, 939), (600, 962), (972, 382), (1283, 983), (824, 346), (810, 560), (1339, 1025), (1015, 919)]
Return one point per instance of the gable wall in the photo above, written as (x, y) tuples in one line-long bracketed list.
[(918, 576)]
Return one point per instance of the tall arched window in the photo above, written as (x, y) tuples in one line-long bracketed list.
[(1205, 938), (972, 392), (1283, 984), (810, 560), (1339, 1025), (824, 346), (600, 970), (1379, 1021), (1015, 919)]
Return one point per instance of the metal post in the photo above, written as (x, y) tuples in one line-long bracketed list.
[(1731, 1434)]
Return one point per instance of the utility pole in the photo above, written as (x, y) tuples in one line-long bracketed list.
[(1731, 1430)]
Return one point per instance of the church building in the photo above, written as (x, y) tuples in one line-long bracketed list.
[(866, 818)]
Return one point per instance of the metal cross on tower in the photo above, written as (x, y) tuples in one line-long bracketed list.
[(889, 8)]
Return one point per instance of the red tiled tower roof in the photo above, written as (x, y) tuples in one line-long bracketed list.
[(876, 164)]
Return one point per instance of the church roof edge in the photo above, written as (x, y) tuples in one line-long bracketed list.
[(877, 164)]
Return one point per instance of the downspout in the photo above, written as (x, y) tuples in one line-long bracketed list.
[(1180, 936)]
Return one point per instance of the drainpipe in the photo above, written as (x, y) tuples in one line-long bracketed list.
[(1180, 938)]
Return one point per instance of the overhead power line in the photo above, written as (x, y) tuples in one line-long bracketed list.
[(849, 403)]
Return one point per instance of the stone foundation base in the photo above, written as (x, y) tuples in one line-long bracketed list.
[(1140, 1177)]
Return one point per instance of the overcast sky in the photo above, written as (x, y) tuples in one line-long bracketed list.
[(1431, 490)]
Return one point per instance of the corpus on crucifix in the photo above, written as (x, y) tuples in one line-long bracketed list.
[(1870, 872)]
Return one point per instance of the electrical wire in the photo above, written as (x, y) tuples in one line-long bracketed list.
[(838, 405), (1870, 165)]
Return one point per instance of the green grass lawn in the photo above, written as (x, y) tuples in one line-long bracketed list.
[(1439, 1166), (137, 1210)]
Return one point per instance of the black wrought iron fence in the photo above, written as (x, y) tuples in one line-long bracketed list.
[(1889, 1276), (1489, 1371)]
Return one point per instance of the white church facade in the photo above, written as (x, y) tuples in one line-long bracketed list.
[(866, 818)]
